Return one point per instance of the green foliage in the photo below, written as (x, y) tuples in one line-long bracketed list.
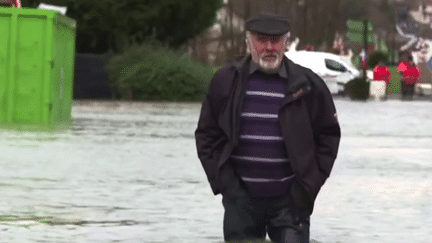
[(98, 22), (174, 22), (376, 57), (395, 86), (357, 89), (104, 25), (156, 72)]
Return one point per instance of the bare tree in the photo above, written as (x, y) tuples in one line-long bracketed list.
[(313, 21)]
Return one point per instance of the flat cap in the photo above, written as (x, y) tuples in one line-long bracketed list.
[(268, 24)]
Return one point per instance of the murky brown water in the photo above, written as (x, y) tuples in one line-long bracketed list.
[(128, 172)]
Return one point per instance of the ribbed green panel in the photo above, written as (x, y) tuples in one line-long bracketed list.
[(37, 56), (5, 26), (30, 53)]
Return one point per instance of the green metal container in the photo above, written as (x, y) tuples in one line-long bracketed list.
[(37, 55)]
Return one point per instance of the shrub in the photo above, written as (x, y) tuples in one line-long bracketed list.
[(357, 89), (377, 57), (155, 72)]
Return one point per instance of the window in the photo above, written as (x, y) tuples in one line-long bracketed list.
[(335, 66)]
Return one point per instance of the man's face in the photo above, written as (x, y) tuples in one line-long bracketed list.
[(267, 51)]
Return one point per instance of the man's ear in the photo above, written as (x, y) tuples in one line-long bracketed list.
[(287, 41), (248, 45)]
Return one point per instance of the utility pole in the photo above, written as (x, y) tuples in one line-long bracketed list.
[(365, 43), (305, 20), (231, 27), (302, 5)]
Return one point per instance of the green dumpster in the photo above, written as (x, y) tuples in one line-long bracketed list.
[(37, 55)]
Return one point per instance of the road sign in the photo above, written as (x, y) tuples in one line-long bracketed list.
[(359, 37), (356, 31), (358, 25)]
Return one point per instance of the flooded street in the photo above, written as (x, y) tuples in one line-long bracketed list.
[(128, 172)]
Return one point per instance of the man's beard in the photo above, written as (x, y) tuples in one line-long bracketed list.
[(270, 66)]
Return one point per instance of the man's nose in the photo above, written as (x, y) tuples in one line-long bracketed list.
[(269, 44)]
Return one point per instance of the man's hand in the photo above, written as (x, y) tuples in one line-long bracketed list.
[(230, 183), (302, 202)]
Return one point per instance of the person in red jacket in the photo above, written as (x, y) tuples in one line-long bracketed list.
[(382, 73), (410, 76)]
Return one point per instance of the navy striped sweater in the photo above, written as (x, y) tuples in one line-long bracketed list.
[(260, 159)]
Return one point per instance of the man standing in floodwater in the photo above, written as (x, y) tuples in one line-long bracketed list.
[(267, 137)]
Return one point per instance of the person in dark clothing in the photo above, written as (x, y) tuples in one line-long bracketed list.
[(410, 76), (267, 138)]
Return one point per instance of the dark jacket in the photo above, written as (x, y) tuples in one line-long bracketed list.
[(309, 126)]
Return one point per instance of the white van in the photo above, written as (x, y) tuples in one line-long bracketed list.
[(335, 70)]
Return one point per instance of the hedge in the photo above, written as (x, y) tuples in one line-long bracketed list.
[(358, 89), (155, 72)]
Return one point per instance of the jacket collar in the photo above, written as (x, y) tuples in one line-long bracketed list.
[(241, 61), (298, 79)]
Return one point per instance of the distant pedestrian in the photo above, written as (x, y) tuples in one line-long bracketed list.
[(267, 138), (410, 76), (381, 78), (309, 47)]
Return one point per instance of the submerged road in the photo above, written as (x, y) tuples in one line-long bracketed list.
[(128, 172)]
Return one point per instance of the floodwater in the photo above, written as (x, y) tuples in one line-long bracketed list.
[(128, 172)]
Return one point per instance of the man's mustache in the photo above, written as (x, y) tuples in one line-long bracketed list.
[(270, 54)]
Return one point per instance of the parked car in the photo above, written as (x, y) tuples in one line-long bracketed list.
[(336, 71)]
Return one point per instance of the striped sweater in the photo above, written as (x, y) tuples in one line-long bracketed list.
[(260, 159)]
